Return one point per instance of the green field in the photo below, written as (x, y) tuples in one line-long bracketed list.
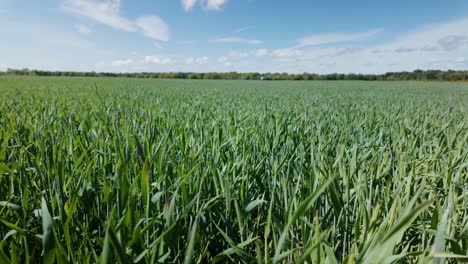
[(146, 171)]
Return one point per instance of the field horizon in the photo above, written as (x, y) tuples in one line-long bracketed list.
[(222, 131)]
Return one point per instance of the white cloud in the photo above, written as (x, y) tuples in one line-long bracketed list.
[(287, 52), (333, 38), (237, 40), (59, 48), (107, 12), (188, 42), (215, 4), (158, 60), (83, 29), (153, 27), (188, 4), (436, 35), (199, 60), (452, 42), (238, 54), (104, 12), (437, 46), (237, 57), (223, 59), (261, 52), (143, 63), (242, 29), (440, 46), (151, 59), (122, 62)]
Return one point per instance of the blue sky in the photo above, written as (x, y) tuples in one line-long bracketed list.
[(360, 36)]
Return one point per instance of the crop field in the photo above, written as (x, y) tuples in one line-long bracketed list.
[(181, 171)]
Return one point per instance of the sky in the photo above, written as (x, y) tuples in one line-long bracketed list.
[(294, 36)]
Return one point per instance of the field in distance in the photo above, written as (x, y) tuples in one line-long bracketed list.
[(147, 171)]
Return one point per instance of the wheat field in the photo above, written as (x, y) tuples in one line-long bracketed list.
[(168, 171)]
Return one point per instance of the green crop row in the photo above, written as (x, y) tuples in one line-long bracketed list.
[(158, 171)]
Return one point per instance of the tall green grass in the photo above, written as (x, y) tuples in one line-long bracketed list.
[(155, 171)]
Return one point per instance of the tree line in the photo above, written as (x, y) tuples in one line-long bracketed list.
[(417, 75)]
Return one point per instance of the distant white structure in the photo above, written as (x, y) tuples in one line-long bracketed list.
[(265, 78)]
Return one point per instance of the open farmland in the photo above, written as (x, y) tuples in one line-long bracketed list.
[(146, 171)]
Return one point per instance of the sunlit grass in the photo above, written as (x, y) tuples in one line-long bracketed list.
[(147, 171)]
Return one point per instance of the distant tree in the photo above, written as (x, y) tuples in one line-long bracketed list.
[(419, 75), (194, 76)]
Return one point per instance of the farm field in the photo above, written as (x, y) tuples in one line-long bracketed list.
[(160, 171)]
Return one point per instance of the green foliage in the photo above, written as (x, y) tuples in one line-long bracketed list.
[(115, 170), (417, 75)]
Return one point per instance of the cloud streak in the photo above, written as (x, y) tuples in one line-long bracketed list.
[(107, 12), (188, 5), (237, 40), (82, 29), (104, 12), (215, 4), (153, 27), (152, 59), (122, 62), (334, 38), (197, 61), (242, 29), (261, 53), (438, 46)]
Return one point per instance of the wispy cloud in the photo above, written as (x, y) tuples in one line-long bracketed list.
[(188, 42), (215, 4), (83, 29), (122, 62), (242, 29), (287, 52), (144, 62), (237, 40), (153, 27), (107, 12), (238, 56), (261, 53), (198, 60), (104, 12), (152, 59), (452, 42), (437, 46), (333, 38), (188, 4), (223, 59)]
